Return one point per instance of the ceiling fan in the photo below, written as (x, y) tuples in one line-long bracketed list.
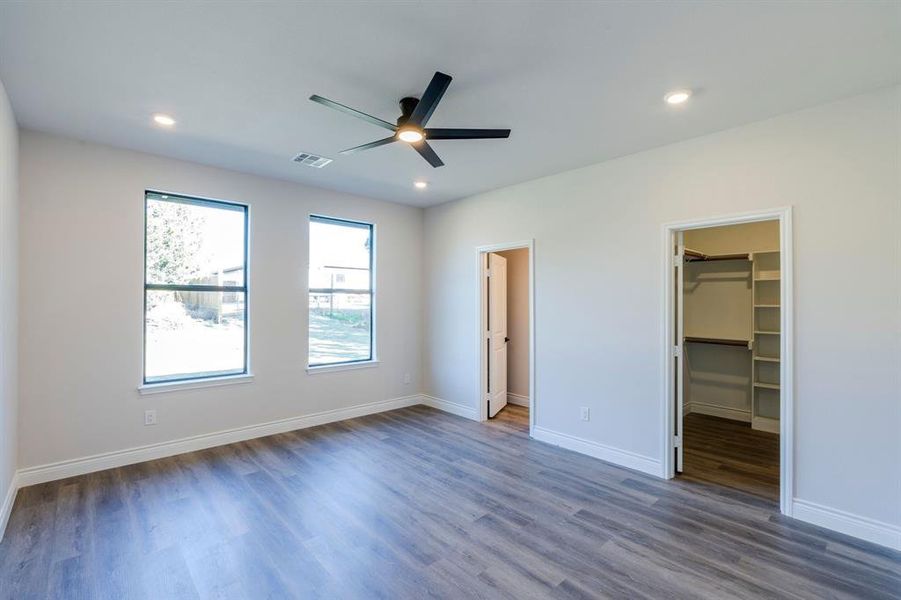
[(410, 127)]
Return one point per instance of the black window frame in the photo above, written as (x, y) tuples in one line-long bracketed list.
[(148, 287), (362, 225)]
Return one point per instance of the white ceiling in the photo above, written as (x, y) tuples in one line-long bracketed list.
[(576, 82)]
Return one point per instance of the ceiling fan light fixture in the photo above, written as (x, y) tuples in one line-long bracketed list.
[(410, 135)]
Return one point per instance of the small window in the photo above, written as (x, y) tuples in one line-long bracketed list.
[(195, 288), (341, 297)]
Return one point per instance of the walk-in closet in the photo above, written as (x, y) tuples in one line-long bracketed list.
[(730, 382)]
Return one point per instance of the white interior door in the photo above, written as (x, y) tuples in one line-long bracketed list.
[(497, 333), (679, 347)]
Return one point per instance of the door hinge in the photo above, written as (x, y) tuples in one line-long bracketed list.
[(678, 260), (677, 351), (677, 441)]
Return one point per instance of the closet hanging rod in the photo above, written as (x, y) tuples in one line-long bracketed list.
[(695, 256), (718, 341)]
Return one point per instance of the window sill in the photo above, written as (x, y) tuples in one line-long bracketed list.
[(343, 367), (176, 386)]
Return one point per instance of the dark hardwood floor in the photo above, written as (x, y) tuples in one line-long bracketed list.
[(730, 453), (416, 503)]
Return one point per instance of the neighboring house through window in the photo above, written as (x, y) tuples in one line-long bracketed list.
[(341, 292), (195, 288)]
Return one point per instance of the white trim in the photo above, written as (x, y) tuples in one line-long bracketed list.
[(667, 392), (714, 410), (453, 408), (119, 458), (871, 530), (366, 364), (517, 399), (616, 456), (481, 251), (193, 384), (786, 365), (9, 500)]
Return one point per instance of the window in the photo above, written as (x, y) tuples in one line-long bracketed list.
[(195, 288), (340, 292)]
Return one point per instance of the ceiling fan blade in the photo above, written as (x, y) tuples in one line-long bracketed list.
[(465, 134), (430, 99), (353, 112), (374, 144), (427, 153)]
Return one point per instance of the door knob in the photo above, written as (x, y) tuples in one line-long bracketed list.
[(506, 339)]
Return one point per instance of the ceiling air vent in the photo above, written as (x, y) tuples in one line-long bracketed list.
[(311, 160)]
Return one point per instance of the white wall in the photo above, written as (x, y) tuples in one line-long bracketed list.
[(81, 300), (517, 321), (598, 280), (9, 251)]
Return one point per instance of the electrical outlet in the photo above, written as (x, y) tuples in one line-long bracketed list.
[(586, 414), (150, 417), (406, 379)]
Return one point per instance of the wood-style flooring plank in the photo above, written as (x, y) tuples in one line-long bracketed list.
[(416, 503)]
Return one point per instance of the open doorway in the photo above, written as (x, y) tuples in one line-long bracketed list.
[(506, 333), (729, 365)]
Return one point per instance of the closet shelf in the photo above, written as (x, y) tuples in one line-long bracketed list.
[(695, 256), (767, 276), (766, 386), (766, 306), (763, 332), (771, 359), (720, 341)]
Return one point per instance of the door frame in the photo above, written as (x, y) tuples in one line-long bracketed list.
[(482, 307), (786, 366)]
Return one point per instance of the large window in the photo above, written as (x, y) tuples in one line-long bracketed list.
[(340, 292), (195, 288)]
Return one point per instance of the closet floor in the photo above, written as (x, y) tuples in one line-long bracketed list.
[(514, 417), (731, 454)]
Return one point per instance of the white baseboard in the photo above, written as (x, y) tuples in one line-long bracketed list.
[(864, 528), (7, 507), (736, 414), (622, 458), (517, 399), (766, 424), (119, 458), (470, 412)]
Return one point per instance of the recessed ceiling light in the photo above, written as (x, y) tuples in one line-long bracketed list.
[(420, 185), (410, 135), (677, 96), (164, 120)]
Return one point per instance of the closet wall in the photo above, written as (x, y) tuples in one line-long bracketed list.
[(719, 304)]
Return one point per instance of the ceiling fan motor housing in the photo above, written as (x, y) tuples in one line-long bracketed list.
[(407, 105)]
